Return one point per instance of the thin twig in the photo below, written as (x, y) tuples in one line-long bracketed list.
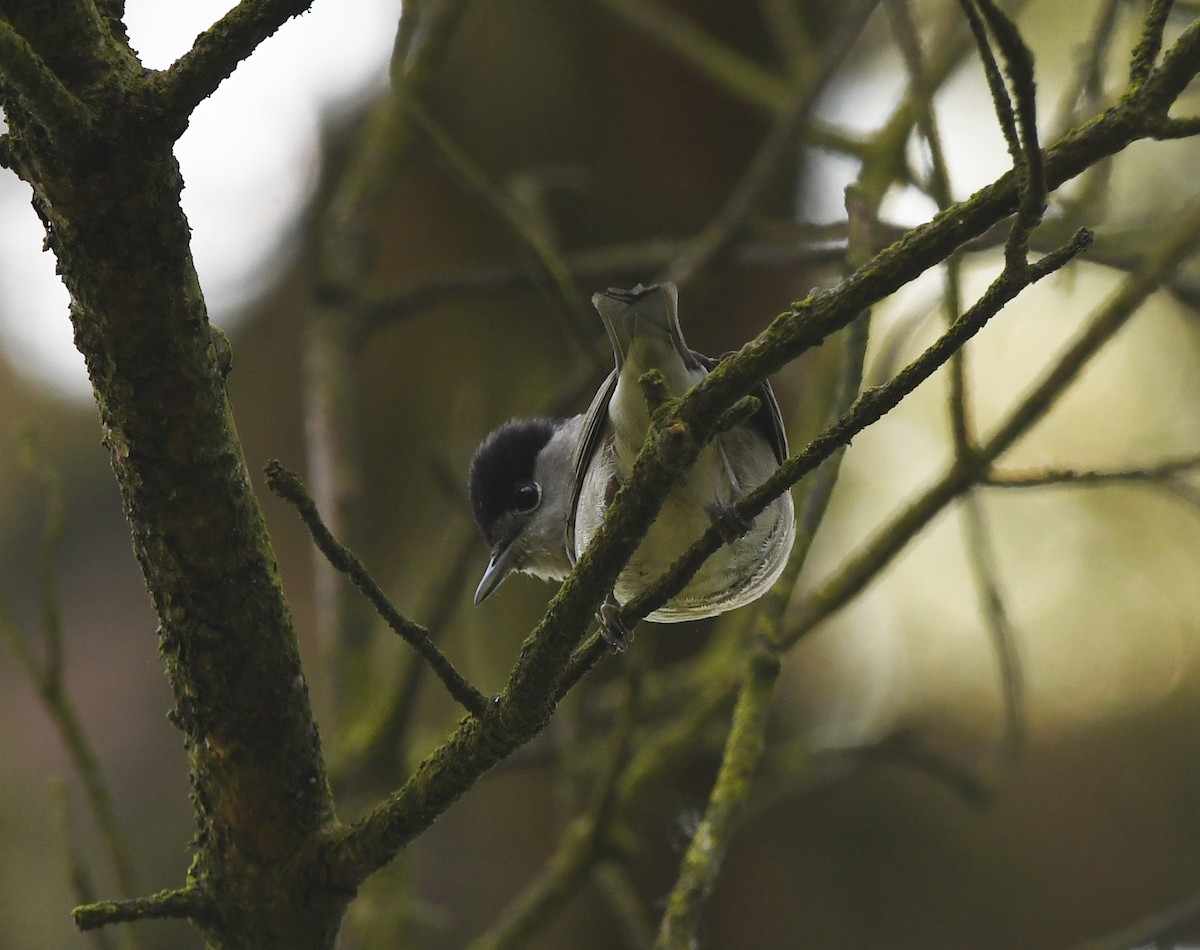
[(723, 66), (921, 94), (1089, 199), (1018, 120), (187, 903), (547, 257), (1149, 44), (287, 485), (976, 537), (800, 246), (46, 674), (864, 565), (981, 560), (779, 143), (378, 747), (1083, 96), (82, 883), (1084, 477), (950, 44), (774, 244)]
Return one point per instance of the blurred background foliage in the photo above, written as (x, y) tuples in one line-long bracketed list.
[(603, 135)]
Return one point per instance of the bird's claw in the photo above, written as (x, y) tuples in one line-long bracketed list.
[(728, 521), (617, 634)]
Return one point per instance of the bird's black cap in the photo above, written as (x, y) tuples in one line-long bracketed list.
[(503, 463)]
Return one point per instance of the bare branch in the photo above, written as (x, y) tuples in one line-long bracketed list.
[(723, 66), (1083, 96), (380, 745), (216, 54), (287, 486), (939, 187), (1018, 121), (864, 565), (82, 883), (526, 232), (1075, 477), (724, 227), (981, 559), (46, 675)]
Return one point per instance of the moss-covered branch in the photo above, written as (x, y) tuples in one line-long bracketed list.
[(863, 566), (216, 54), (701, 861), (188, 903)]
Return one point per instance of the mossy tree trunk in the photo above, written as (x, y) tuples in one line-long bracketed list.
[(93, 133)]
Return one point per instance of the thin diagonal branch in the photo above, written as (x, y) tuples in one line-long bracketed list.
[(1162, 471), (1084, 94), (981, 560), (82, 883), (717, 235), (939, 188), (287, 486), (725, 67), (1018, 119), (1001, 102), (519, 223), (865, 564), (46, 674), (868, 409), (380, 744)]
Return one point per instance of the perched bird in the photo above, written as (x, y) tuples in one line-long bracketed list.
[(540, 487)]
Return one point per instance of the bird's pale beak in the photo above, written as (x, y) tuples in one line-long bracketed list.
[(503, 562)]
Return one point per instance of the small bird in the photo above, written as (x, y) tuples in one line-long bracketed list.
[(540, 487)]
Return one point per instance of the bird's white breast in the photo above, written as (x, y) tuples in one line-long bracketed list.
[(736, 574)]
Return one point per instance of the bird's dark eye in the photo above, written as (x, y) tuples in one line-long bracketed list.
[(527, 496)]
